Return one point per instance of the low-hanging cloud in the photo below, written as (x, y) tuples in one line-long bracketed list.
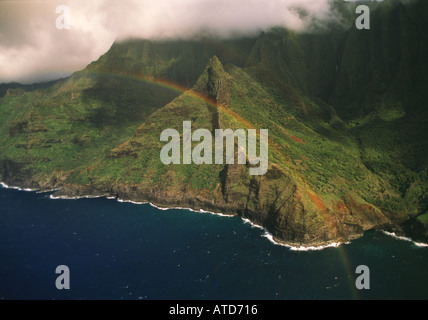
[(33, 49)]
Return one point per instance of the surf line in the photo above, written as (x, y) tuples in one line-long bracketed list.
[(271, 239), (417, 244), (266, 233), (4, 185)]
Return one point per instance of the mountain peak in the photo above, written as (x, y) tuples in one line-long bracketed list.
[(215, 63), (214, 83)]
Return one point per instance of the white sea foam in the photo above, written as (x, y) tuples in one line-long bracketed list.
[(301, 248), (190, 209), (317, 248), (252, 223), (417, 244), (269, 236), (127, 201), (159, 208), (213, 213), (167, 208), (4, 185), (47, 191), (74, 198)]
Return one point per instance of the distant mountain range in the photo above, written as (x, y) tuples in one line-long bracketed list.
[(346, 111)]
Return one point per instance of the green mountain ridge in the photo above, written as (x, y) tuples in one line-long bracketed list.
[(345, 109)]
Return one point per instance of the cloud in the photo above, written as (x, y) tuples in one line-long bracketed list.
[(33, 49)]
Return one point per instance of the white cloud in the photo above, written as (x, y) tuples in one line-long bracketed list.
[(33, 49)]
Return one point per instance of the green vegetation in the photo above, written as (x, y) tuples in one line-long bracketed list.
[(346, 112), (423, 219)]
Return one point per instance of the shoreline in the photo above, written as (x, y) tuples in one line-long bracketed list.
[(393, 235), (293, 247), (266, 234)]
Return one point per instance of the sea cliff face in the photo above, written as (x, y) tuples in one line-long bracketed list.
[(272, 201), (345, 109)]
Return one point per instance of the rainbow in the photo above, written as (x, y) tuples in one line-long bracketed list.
[(189, 91), (347, 265)]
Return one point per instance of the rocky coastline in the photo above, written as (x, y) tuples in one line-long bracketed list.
[(296, 235)]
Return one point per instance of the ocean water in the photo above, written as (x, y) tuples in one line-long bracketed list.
[(120, 250)]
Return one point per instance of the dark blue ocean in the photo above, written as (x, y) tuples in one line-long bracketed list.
[(125, 251)]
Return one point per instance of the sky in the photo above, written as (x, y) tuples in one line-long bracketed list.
[(39, 43)]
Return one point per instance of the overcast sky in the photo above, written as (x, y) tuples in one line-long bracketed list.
[(33, 49)]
